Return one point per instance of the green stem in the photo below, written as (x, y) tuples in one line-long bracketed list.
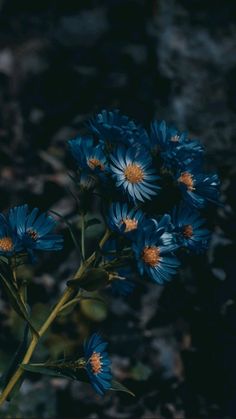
[(23, 291), (70, 303), (67, 294), (76, 300)]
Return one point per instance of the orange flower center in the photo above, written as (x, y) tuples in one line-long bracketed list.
[(175, 138), (95, 163), (151, 255), (130, 224), (134, 173), (33, 234), (6, 244), (95, 362), (187, 179), (188, 231)]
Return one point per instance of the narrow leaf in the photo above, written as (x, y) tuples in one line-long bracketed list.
[(116, 386), (42, 369), (64, 369), (16, 300), (16, 360)]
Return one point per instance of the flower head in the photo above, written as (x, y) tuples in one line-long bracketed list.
[(112, 127), (122, 287), (98, 364), (153, 247), (133, 173), (189, 227), (8, 240), (198, 188), (33, 232), (122, 281), (174, 146), (89, 157), (123, 220)]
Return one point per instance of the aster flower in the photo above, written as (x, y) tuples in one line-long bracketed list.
[(174, 146), (34, 232), (133, 173), (112, 127), (122, 281), (123, 220), (153, 248), (98, 364), (8, 240), (198, 188), (89, 157), (189, 228), (122, 287), (160, 135)]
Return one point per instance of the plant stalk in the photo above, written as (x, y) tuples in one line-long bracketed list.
[(67, 294)]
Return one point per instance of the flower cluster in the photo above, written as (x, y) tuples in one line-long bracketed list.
[(134, 172), (134, 163)]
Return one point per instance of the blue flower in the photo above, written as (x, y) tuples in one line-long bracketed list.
[(8, 240), (133, 172), (198, 188), (153, 247), (122, 281), (112, 127), (189, 227), (123, 220), (122, 276), (160, 135), (98, 364), (34, 232), (122, 287), (174, 146), (89, 157)]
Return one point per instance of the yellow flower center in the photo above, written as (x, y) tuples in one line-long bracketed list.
[(134, 173), (187, 179), (188, 231), (95, 362), (130, 224), (6, 244), (33, 234), (95, 163), (151, 255)]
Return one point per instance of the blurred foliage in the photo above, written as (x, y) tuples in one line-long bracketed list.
[(59, 63)]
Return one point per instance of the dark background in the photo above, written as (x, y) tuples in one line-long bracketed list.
[(61, 61)]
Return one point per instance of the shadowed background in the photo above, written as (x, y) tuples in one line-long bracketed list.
[(59, 63)]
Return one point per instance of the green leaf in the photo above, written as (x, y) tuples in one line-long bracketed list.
[(141, 372), (92, 280), (92, 222), (93, 309), (69, 307), (69, 370), (4, 259), (15, 299), (16, 360), (116, 386), (42, 369)]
